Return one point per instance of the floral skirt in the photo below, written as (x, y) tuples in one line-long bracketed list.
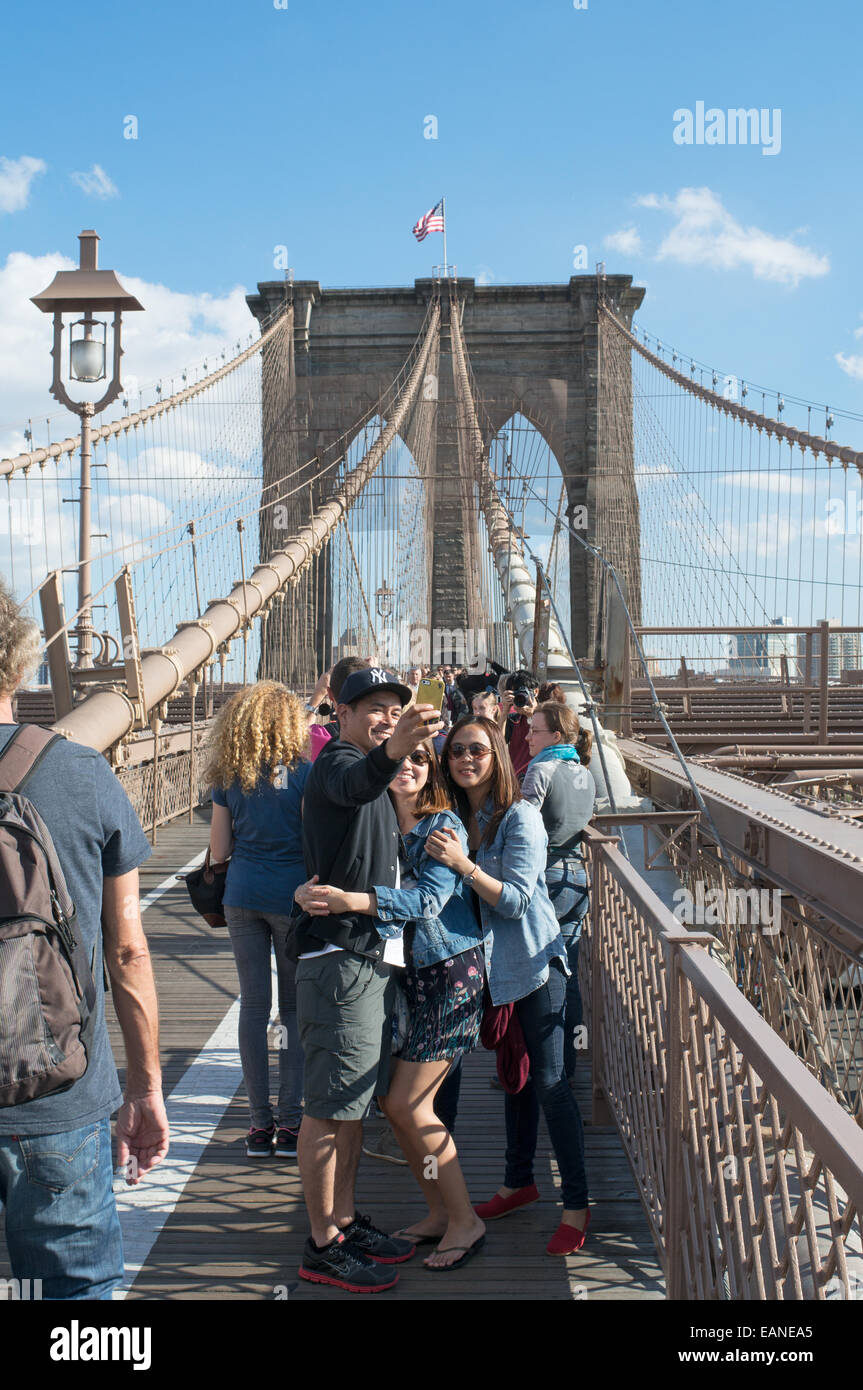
[(444, 1005)]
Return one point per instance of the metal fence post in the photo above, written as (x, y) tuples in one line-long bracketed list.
[(673, 1208), (674, 1212), (601, 1113), (823, 676)]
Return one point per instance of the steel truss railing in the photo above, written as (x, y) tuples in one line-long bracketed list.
[(750, 1173)]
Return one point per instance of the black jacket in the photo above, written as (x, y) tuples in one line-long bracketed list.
[(350, 840)]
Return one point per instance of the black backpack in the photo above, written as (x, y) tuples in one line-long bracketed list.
[(47, 992)]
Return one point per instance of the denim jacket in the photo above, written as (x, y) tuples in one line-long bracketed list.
[(524, 930), (437, 903)]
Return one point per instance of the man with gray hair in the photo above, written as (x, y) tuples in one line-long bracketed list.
[(56, 1171)]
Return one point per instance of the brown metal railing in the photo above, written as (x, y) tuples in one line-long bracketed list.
[(750, 1172)]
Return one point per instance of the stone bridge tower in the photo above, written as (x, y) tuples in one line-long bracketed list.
[(533, 350)]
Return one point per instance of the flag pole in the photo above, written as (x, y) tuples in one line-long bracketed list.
[(446, 263)]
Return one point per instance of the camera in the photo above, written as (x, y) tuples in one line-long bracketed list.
[(522, 696)]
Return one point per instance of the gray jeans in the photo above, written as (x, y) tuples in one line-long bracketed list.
[(253, 936)]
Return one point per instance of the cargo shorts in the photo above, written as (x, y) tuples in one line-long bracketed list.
[(344, 1015)]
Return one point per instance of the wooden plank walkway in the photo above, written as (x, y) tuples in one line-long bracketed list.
[(238, 1228)]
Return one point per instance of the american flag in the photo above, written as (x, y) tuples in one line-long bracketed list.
[(431, 221)]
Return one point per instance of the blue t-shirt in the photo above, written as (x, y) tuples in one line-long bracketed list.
[(96, 834), (267, 859)]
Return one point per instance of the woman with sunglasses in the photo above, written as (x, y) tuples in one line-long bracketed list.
[(557, 782), (526, 963), (443, 985)]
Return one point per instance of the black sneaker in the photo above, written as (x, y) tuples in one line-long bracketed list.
[(286, 1142), (259, 1142), (377, 1245), (342, 1265)]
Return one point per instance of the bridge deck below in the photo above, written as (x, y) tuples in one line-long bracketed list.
[(221, 1226)]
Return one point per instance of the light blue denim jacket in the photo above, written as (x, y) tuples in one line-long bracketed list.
[(438, 902), (525, 935)]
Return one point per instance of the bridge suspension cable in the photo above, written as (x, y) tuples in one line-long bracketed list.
[(105, 717), (745, 520), (518, 586)]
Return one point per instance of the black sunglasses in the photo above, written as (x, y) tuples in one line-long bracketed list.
[(476, 750), (418, 759)]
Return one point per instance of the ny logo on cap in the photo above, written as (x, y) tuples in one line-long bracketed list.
[(378, 676)]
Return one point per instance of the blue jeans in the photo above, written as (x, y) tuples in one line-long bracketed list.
[(567, 888), (541, 1017), (253, 935), (62, 1225)]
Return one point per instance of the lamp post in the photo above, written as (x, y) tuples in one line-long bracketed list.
[(384, 600), (86, 291)]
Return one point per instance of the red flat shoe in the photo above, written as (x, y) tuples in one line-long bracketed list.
[(502, 1206), (567, 1239)]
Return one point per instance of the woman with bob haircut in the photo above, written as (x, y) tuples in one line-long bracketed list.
[(526, 966), (258, 765), (443, 989)]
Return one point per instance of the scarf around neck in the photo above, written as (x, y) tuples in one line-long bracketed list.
[(566, 752)]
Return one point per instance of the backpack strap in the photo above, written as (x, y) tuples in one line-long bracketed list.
[(22, 754)]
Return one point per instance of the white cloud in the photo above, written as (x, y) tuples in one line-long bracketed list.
[(484, 275), (653, 469), (16, 176), (767, 534), (96, 183), (705, 233), (627, 241), (790, 484), (177, 330), (851, 366)]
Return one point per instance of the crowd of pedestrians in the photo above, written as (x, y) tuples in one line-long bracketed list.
[(444, 889), (410, 854)]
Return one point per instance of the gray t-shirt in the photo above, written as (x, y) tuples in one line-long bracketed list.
[(96, 834)]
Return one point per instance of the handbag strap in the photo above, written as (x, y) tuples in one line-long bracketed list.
[(210, 868)]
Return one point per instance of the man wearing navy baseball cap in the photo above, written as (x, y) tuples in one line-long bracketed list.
[(345, 990)]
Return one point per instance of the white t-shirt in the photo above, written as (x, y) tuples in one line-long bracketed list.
[(394, 946)]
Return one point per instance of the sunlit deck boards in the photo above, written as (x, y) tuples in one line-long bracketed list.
[(238, 1228)]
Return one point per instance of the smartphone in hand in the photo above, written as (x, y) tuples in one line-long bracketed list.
[(430, 691)]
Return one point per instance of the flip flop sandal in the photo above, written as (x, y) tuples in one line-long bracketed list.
[(469, 1252), (417, 1240)]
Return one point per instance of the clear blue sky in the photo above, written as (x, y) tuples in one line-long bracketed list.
[(261, 126)]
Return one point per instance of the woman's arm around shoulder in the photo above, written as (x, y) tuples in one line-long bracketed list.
[(442, 820)]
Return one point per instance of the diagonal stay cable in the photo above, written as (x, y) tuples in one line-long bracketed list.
[(657, 706)]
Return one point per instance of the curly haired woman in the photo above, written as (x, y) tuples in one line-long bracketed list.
[(258, 765)]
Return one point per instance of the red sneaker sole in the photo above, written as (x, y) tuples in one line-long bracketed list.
[(342, 1284), (392, 1259)]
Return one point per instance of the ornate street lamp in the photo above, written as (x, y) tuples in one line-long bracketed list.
[(384, 600), (86, 291)]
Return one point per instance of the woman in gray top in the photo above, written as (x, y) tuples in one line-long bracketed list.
[(557, 782)]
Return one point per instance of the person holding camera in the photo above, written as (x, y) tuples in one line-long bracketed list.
[(517, 704), (345, 989), (443, 994)]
